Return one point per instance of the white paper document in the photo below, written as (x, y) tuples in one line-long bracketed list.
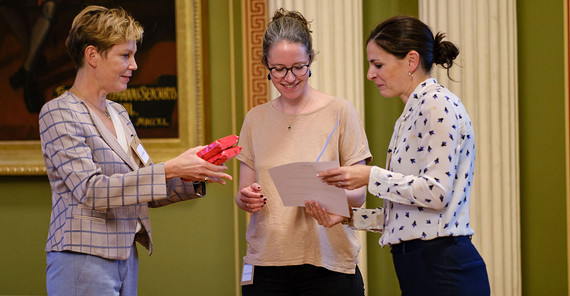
[(297, 182)]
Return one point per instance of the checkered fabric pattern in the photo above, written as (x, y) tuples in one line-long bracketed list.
[(99, 192)]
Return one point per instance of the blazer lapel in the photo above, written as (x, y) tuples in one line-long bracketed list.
[(110, 139)]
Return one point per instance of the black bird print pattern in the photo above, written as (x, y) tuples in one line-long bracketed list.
[(429, 171)]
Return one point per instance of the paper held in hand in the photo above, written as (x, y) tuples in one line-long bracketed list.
[(297, 182)]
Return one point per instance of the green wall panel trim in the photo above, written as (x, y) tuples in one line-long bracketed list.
[(380, 115), (240, 114), (542, 147), (239, 101), (219, 68)]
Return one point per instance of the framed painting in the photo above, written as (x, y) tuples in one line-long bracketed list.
[(165, 98)]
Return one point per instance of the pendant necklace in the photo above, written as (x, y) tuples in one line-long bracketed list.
[(290, 124), (106, 112)]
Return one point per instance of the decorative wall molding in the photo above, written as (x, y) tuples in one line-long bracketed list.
[(254, 22)]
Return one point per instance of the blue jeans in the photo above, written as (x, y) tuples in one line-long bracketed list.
[(303, 280), (71, 273), (442, 266)]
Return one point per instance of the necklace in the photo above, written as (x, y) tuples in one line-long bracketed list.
[(106, 112), (290, 124)]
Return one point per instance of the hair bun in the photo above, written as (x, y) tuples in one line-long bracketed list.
[(282, 13), (444, 52)]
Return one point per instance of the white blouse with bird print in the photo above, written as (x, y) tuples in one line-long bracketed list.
[(431, 157)]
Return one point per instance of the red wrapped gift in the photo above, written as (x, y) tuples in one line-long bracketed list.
[(218, 146), (223, 156), (220, 151)]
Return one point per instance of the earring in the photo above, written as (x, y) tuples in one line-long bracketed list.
[(310, 73), (268, 76), (411, 74)]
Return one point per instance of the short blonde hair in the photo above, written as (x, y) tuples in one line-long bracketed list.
[(103, 28)]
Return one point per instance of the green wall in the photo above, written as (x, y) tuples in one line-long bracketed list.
[(195, 253), (542, 147), (25, 206), (380, 115)]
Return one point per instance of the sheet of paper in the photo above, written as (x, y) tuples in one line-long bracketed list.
[(297, 182)]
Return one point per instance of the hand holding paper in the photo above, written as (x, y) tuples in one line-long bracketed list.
[(298, 182), (321, 214)]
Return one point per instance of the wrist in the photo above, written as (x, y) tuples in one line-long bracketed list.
[(346, 220), (168, 168)]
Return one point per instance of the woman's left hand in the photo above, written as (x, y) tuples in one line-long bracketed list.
[(323, 217), (347, 177)]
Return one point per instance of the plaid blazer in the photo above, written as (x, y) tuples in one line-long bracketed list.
[(99, 192)]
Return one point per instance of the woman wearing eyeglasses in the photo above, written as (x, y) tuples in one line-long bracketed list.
[(289, 252)]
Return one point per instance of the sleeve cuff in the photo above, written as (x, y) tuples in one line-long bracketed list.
[(199, 188), (371, 220)]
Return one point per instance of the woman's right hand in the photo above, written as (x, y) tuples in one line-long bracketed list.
[(347, 177), (191, 167), (251, 199)]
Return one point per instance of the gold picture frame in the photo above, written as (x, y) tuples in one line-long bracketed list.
[(25, 157)]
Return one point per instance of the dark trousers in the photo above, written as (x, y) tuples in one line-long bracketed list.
[(442, 266), (307, 280)]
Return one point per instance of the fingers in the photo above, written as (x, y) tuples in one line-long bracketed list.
[(316, 211), (349, 177), (213, 173), (208, 179), (339, 182), (343, 182), (321, 214), (217, 178), (331, 173), (255, 187), (335, 177), (212, 177), (253, 204), (252, 199), (196, 149)]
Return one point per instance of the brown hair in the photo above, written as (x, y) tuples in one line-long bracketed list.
[(400, 34), (290, 26)]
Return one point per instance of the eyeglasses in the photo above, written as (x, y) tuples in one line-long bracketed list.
[(281, 72)]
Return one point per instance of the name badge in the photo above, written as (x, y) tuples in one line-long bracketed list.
[(139, 150), (247, 274)]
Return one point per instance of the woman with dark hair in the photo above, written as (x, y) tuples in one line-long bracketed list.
[(426, 185)]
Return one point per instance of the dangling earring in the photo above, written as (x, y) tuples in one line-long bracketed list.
[(268, 76), (411, 75), (310, 73)]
